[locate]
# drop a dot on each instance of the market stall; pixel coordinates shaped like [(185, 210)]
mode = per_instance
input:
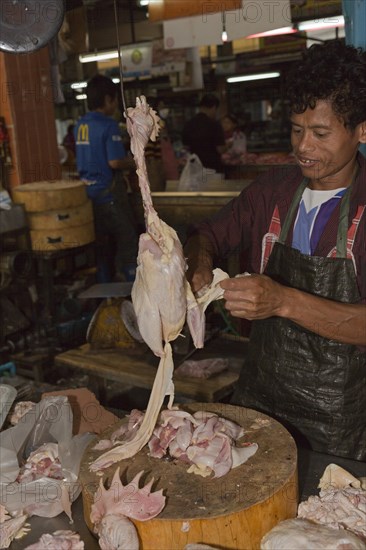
[(134, 414)]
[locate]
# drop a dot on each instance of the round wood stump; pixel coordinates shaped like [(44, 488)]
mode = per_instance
[(41, 196), (231, 512)]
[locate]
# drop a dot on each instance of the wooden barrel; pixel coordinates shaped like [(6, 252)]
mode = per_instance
[(41, 196), (231, 512)]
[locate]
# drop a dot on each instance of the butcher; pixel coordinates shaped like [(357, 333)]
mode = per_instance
[(300, 233)]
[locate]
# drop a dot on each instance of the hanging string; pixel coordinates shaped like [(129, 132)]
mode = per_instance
[(120, 59)]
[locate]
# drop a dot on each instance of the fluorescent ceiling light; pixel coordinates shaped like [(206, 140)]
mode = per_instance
[(273, 32), (144, 3), (78, 85), (81, 96), (102, 56), (247, 77), (325, 23), (311, 25)]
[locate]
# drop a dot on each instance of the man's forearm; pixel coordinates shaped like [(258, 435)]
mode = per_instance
[(199, 252), (334, 320)]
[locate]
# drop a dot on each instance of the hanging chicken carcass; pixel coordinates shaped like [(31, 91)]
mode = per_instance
[(161, 294)]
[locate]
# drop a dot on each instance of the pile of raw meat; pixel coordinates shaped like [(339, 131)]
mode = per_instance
[(43, 462), (207, 443), (334, 520), (40, 460)]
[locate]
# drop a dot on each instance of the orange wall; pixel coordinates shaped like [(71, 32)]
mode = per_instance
[(26, 102)]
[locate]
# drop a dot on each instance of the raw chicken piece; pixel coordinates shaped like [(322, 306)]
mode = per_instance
[(336, 477), (103, 445), (44, 461), (205, 368), (338, 509), (125, 432), (59, 540), (128, 430), (4, 514), (196, 306), (11, 529), (117, 533), (301, 534), (113, 507), (20, 410)]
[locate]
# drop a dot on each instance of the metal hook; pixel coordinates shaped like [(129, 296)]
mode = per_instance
[(120, 60)]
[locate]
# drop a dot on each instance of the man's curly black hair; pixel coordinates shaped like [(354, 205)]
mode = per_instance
[(332, 71)]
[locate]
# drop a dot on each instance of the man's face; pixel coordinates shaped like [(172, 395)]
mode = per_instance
[(324, 148)]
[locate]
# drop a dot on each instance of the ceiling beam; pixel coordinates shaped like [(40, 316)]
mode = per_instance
[(160, 10)]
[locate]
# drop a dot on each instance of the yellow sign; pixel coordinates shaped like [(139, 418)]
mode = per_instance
[(83, 133)]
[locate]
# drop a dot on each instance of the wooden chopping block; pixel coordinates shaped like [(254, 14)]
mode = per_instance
[(231, 512), (41, 196), (62, 218), (49, 240)]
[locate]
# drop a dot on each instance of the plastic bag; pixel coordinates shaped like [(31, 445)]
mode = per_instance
[(239, 145), (50, 421), (192, 174)]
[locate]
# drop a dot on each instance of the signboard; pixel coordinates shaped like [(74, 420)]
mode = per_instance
[(137, 60), (183, 65), (253, 17)]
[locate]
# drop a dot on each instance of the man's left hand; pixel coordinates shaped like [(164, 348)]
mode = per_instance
[(253, 297)]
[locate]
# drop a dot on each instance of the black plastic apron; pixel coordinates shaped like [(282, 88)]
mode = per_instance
[(312, 384)]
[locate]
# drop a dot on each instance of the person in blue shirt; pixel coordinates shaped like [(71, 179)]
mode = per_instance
[(100, 158)]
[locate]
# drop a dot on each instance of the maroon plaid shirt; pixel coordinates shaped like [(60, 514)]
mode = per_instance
[(242, 223)]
